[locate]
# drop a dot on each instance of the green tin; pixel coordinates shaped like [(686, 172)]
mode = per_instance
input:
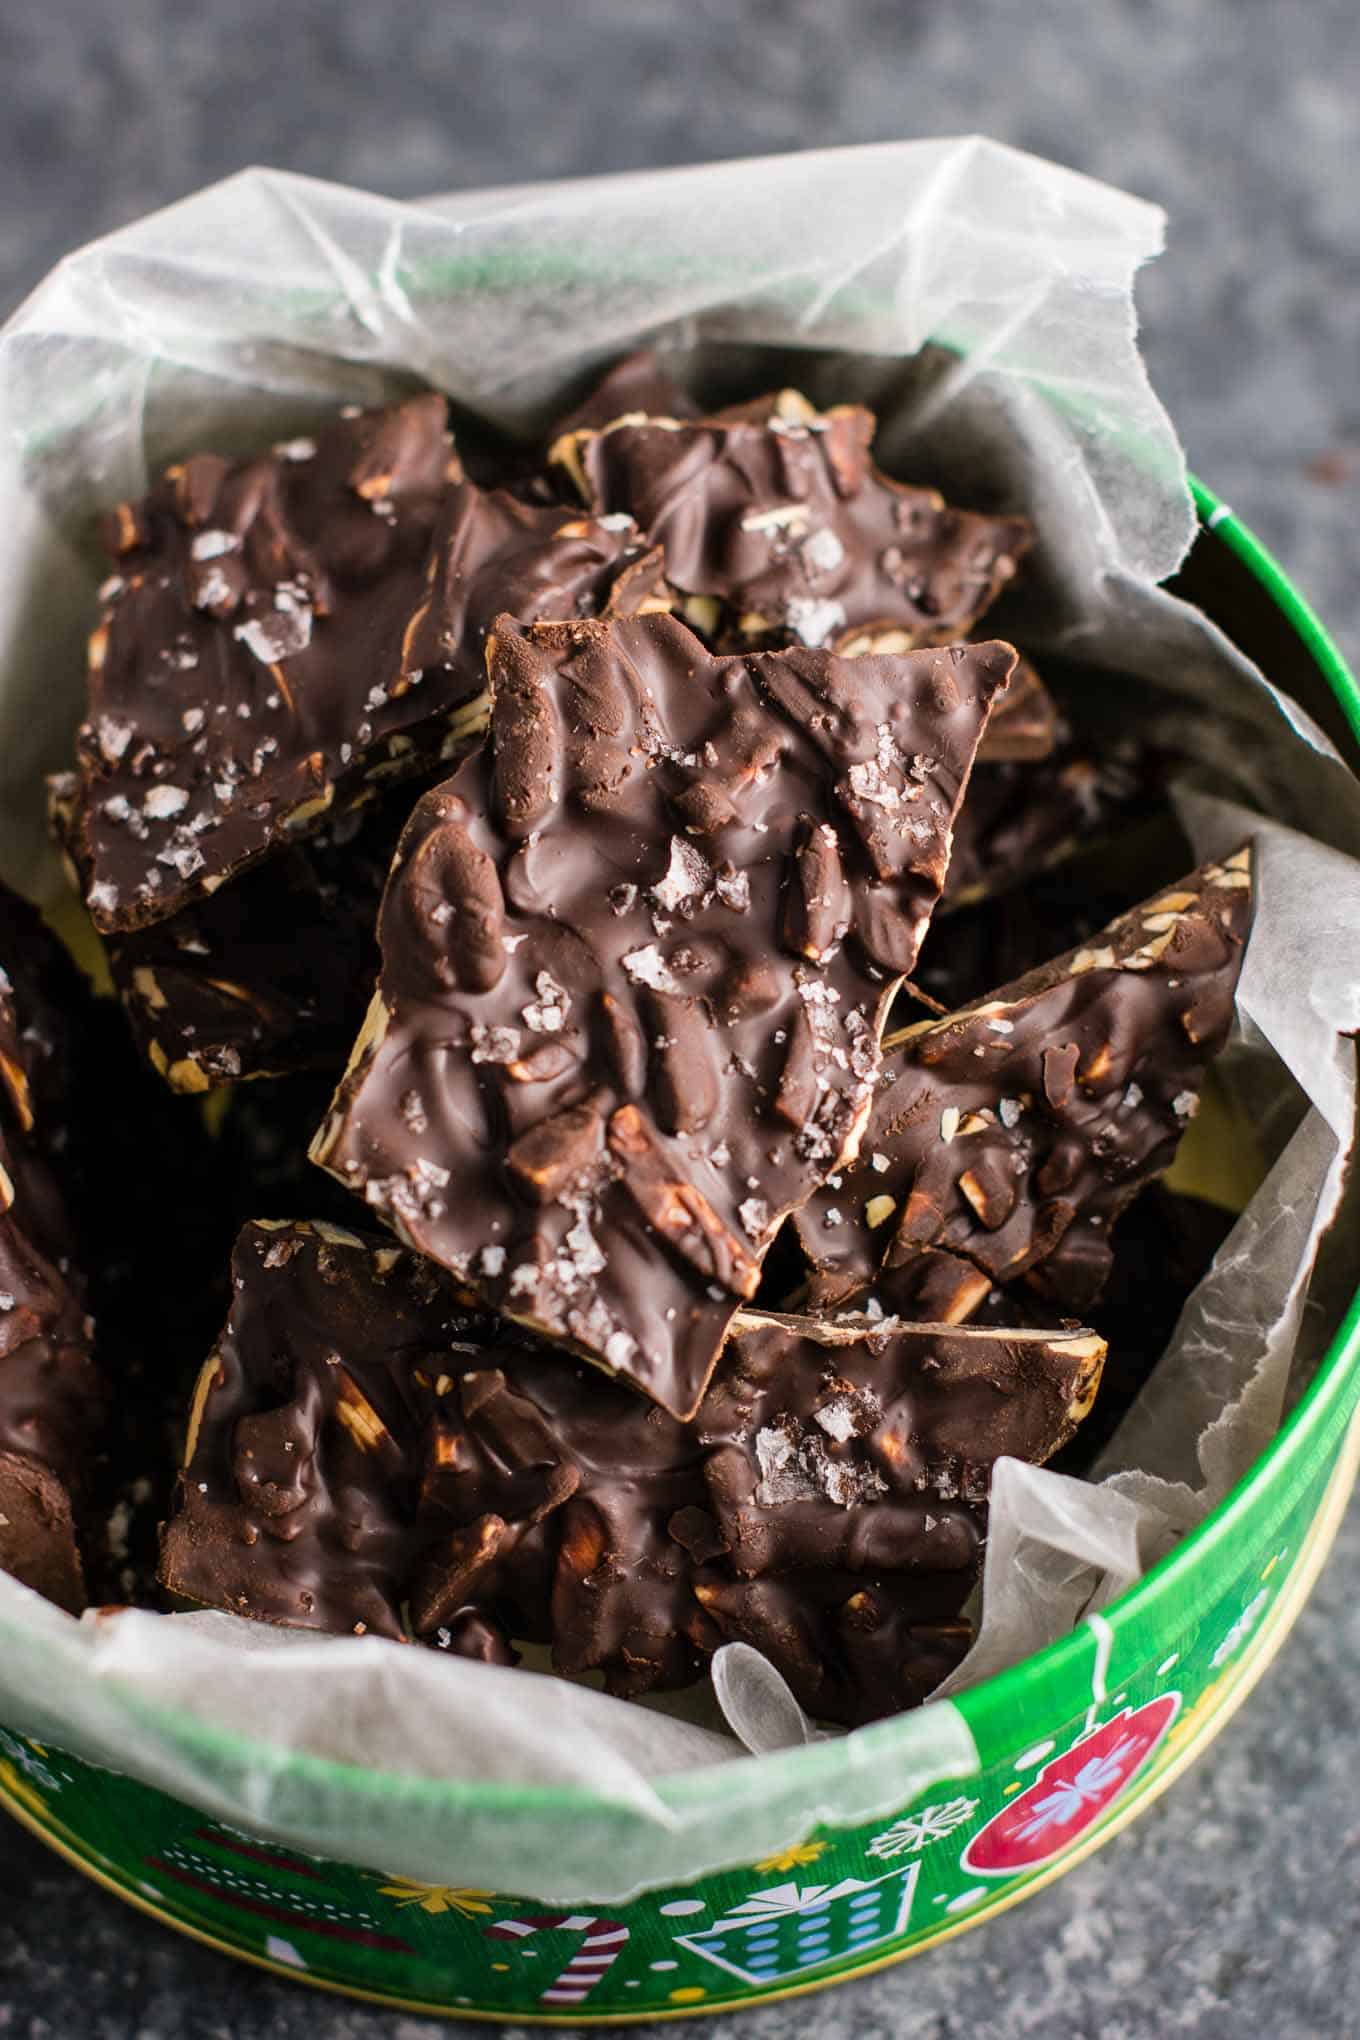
[(1071, 1744)]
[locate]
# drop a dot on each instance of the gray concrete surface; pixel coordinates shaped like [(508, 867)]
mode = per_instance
[(1233, 1907)]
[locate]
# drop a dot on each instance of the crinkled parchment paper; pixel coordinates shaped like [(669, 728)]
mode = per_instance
[(981, 301)]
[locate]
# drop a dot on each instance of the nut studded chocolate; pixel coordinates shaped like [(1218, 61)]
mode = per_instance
[(778, 528), (298, 1501), (637, 383), (848, 1470), (52, 1402), (364, 1455), (272, 973), (1007, 1139), (1024, 815), (283, 634), (52, 1405), (635, 960), (807, 1420)]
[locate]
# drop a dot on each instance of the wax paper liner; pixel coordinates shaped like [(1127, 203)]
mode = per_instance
[(982, 301)]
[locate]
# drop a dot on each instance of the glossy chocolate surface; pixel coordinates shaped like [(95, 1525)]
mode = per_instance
[(635, 959), (1006, 1139), (775, 520), (282, 634), (366, 1455)]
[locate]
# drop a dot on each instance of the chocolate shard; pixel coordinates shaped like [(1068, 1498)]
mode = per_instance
[(1008, 1138), (53, 1401), (297, 1503), (453, 1484), (596, 905), (776, 523), (637, 382), (1027, 725), (867, 1446), (446, 1481), (39, 1542), (283, 634), (271, 974), (1023, 817), (852, 1650)]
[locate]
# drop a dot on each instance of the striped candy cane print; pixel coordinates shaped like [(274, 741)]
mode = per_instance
[(601, 1945)]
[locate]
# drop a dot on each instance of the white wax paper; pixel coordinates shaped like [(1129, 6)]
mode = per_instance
[(982, 301)]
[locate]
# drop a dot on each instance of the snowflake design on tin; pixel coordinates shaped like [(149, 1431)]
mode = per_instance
[(1241, 1629), (21, 1755), (918, 1830), (1071, 1796)]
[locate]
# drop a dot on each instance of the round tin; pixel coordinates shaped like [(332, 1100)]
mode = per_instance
[(1072, 1744)]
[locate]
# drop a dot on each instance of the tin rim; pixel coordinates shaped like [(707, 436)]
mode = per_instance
[(1324, 1406)]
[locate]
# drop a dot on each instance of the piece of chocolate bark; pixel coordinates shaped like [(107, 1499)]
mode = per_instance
[(52, 1402), (282, 634), (271, 974), (636, 956), (367, 1456), (1024, 816), (807, 1419), (778, 528), (639, 384), (1006, 1139), (848, 1473), (1027, 726)]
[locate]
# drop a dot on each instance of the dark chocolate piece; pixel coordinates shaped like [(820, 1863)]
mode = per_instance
[(1027, 726), (854, 1649), (52, 1402), (284, 633), (635, 960), (366, 1455), (1022, 817), (1007, 1139), (52, 1405), (298, 1498), (637, 383), (860, 1445), (777, 527), (271, 974)]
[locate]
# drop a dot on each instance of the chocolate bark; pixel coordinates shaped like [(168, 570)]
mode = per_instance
[(52, 1402), (367, 1456), (638, 383), (282, 634), (1027, 726), (272, 974), (856, 1445), (778, 528), (1024, 816), (1007, 1139), (635, 960)]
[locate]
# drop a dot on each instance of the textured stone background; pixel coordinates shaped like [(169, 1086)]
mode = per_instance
[(1233, 1906)]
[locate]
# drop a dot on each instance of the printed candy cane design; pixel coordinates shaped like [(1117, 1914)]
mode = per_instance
[(600, 1948)]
